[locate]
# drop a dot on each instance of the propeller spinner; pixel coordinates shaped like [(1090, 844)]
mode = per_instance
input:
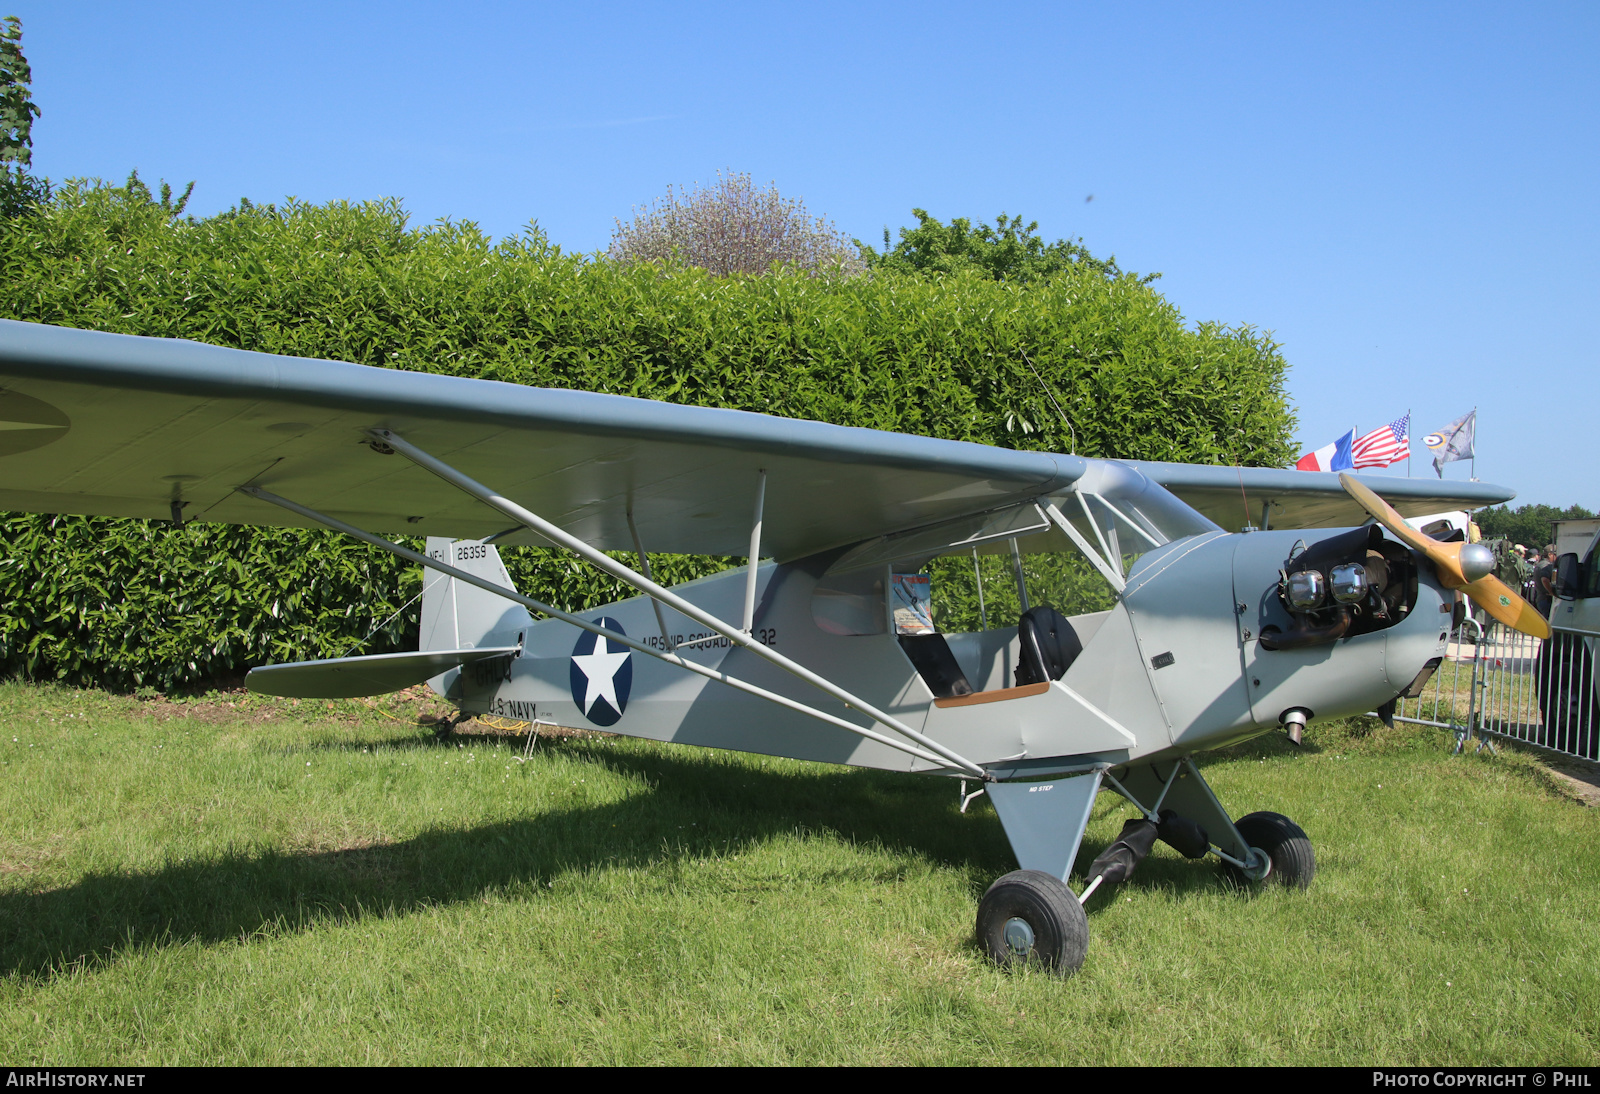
[(1465, 566)]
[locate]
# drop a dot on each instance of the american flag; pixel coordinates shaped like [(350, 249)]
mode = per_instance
[(1385, 445)]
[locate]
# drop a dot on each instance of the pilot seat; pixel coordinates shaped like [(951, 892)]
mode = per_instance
[(1049, 645)]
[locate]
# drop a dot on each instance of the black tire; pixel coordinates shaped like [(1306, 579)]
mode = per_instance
[(1287, 846), (1045, 922)]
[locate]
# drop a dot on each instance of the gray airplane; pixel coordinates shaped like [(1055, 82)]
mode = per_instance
[(1035, 625)]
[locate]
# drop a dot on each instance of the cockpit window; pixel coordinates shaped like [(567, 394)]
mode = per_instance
[(1074, 551), (973, 593), (980, 530)]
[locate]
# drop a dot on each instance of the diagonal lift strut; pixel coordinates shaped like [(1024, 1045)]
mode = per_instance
[(914, 743), (606, 563)]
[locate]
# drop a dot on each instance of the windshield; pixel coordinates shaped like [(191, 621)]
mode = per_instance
[(1072, 551), (977, 592), (1140, 503)]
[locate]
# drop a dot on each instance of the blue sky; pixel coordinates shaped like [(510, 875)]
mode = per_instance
[(1405, 195)]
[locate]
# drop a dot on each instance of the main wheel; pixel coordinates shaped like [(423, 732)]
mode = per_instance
[(1291, 862), (1029, 917)]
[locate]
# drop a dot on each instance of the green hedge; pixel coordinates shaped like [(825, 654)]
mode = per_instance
[(129, 603)]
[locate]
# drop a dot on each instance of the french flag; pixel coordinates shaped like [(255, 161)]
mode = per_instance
[(1330, 457)]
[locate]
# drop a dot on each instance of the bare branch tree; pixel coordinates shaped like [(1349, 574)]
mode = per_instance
[(734, 228)]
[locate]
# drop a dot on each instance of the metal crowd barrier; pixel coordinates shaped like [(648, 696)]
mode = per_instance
[(1498, 683)]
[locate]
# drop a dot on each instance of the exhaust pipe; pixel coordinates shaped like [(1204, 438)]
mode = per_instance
[(1293, 721)]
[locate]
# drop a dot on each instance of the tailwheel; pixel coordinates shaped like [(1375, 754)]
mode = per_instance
[(1290, 860), (1031, 918)]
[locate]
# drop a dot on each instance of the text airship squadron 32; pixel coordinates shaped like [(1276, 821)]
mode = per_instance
[(1140, 631)]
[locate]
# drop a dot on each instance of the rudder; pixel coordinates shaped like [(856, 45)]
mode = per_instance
[(456, 615)]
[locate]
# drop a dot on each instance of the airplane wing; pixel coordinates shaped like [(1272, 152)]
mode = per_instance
[(124, 426), (117, 425), (1236, 496)]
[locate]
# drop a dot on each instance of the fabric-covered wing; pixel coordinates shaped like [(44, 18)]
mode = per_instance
[(1235, 496), (118, 425)]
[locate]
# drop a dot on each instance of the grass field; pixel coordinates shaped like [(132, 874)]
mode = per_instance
[(240, 880)]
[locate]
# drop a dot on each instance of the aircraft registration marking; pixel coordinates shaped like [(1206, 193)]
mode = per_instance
[(767, 636), (465, 552), (493, 671), (522, 710)]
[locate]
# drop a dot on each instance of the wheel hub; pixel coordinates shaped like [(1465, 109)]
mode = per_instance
[(1019, 936), (1257, 864)]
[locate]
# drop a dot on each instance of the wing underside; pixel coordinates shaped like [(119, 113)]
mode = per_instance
[(1269, 497), (117, 425)]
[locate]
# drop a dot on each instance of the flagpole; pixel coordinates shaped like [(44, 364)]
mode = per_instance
[(1474, 443), (1408, 442)]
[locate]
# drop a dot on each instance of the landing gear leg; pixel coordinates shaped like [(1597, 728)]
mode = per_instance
[(1030, 916), (1258, 848)]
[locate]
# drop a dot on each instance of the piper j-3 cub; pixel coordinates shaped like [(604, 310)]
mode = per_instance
[(1040, 626)]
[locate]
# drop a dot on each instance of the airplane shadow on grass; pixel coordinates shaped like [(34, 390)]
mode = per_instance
[(693, 810)]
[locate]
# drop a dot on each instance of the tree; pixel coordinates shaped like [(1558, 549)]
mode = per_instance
[(16, 100), (1528, 525), (734, 228), (941, 357), (20, 192), (1009, 251), (138, 194)]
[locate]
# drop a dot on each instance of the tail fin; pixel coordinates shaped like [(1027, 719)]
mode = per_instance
[(458, 616)]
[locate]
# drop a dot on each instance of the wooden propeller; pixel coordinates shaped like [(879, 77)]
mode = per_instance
[(1455, 572)]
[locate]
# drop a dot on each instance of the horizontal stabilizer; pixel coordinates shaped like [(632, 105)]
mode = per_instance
[(348, 677)]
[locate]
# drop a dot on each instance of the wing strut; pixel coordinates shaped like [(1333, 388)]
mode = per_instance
[(1105, 568), (644, 564), (644, 585), (755, 556), (938, 754)]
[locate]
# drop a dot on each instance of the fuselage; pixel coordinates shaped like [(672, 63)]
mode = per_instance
[(1176, 665)]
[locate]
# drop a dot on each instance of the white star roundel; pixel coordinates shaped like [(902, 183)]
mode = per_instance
[(602, 675)]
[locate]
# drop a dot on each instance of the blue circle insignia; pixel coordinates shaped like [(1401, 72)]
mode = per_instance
[(602, 675)]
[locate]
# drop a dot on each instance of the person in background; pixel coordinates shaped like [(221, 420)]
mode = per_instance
[(1544, 581), (1529, 593), (1511, 567), (1515, 571)]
